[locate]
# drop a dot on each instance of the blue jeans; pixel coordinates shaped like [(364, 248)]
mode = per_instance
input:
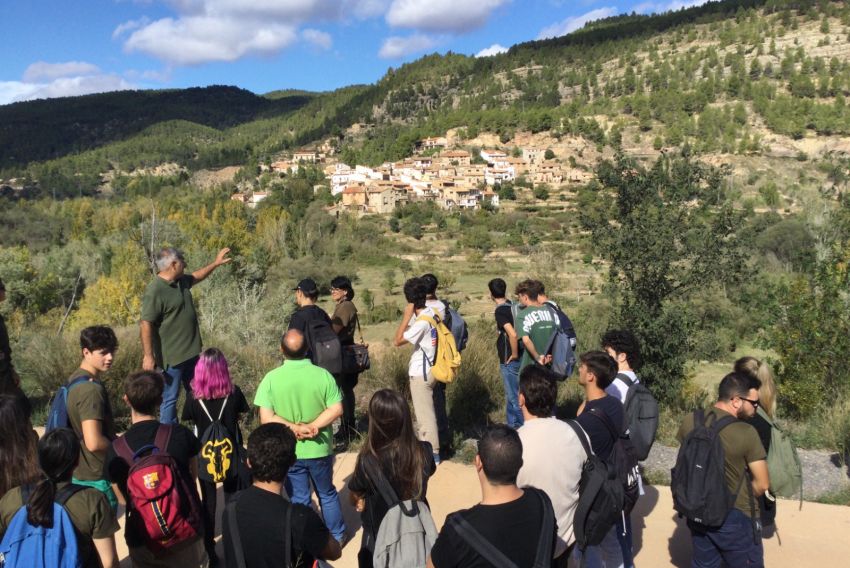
[(320, 471), (510, 377), (182, 373), (733, 543)]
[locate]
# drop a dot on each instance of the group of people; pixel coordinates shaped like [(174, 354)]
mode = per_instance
[(530, 469)]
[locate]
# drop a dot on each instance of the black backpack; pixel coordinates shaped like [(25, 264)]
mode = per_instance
[(641, 411), (698, 480), (485, 549), (325, 347), (601, 496), (218, 459)]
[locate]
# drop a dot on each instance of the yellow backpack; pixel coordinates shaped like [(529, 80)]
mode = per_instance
[(447, 361)]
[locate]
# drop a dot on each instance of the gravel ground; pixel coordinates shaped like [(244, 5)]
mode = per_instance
[(823, 472)]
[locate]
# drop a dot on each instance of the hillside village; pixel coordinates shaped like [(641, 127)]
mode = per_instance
[(451, 177)]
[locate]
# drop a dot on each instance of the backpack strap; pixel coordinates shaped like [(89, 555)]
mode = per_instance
[(233, 529), (67, 492), (601, 415), (582, 436), (433, 322), (163, 437), (543, 558), (479, 544), (625, 379), (220, 412), (379, 480), (123, 449)]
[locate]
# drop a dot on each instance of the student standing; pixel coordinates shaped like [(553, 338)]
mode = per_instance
[(508, 349), (143, 394), (509, 519), (214, 395), (596, 415), (255, 522), (392, 449), (423, 336), (535, 324), (737, 542), (89, 510), (89, 409), (552, 454), (18, 459)]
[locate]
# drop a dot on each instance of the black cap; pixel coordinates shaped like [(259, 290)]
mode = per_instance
[(308, 286)]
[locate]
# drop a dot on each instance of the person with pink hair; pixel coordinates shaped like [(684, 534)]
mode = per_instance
[(214, 397)]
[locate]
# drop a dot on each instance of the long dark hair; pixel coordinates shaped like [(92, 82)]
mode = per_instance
[(18, 463), (58, 454), (392, 442)]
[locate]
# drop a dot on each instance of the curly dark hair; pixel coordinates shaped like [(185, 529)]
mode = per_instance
[(537, 386), (271, 452), (624, 341), (416, 292)]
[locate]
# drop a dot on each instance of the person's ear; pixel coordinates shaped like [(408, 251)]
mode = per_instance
[(126, 400), (477, 462), (521, 400)]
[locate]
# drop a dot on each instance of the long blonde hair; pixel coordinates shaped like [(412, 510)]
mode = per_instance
[(760, 370)]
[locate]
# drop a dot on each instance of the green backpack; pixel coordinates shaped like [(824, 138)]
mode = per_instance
[(783, 463)]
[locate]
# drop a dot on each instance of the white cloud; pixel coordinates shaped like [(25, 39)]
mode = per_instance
[(194, 40), (318, 38), (572, 24), (494, 49), (661, 7), (203, 31), (396, 46), (41, 70), (441, 15), (15, 91)]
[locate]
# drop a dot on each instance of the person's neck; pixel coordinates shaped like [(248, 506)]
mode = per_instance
[(725, 407), (136, 417), (624, 368), (306, 304), (89, 368), (500, 301), (431, 297), (592, 392), (167, 276), (271, 486), (535, 303), (499, 494)]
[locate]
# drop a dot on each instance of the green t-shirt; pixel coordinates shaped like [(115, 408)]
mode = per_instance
[(89, 401), (537, 323), (169, 307), (742, 446), (299, 391), (90, 514)]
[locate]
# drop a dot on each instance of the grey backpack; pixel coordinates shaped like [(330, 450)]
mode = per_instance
[(641, 410), (407, 532)]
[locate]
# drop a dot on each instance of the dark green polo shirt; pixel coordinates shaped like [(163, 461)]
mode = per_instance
[(169, 307)]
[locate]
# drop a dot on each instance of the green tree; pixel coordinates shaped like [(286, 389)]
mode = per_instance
[(661, 248), (541, 192)]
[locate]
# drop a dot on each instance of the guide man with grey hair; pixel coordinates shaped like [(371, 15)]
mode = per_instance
[(171, 338)]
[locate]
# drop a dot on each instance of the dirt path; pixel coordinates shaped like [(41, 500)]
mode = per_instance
[(813, 536)]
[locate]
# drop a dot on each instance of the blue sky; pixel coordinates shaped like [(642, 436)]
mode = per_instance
[(59, 47)]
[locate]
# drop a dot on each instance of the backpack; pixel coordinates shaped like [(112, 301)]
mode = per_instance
[(447, 359), (28, 546), (565, 322), (219, 456), (783, 463), (601, 497), (641, 411), (57, 416), (455, 322), (229, 520), (514, 306), (324, 344), (560, 348), (407, 532), (166, 506), (485, 549), (698, 480)]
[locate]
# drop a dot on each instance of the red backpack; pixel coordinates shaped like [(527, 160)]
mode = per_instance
[(166, 507)]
